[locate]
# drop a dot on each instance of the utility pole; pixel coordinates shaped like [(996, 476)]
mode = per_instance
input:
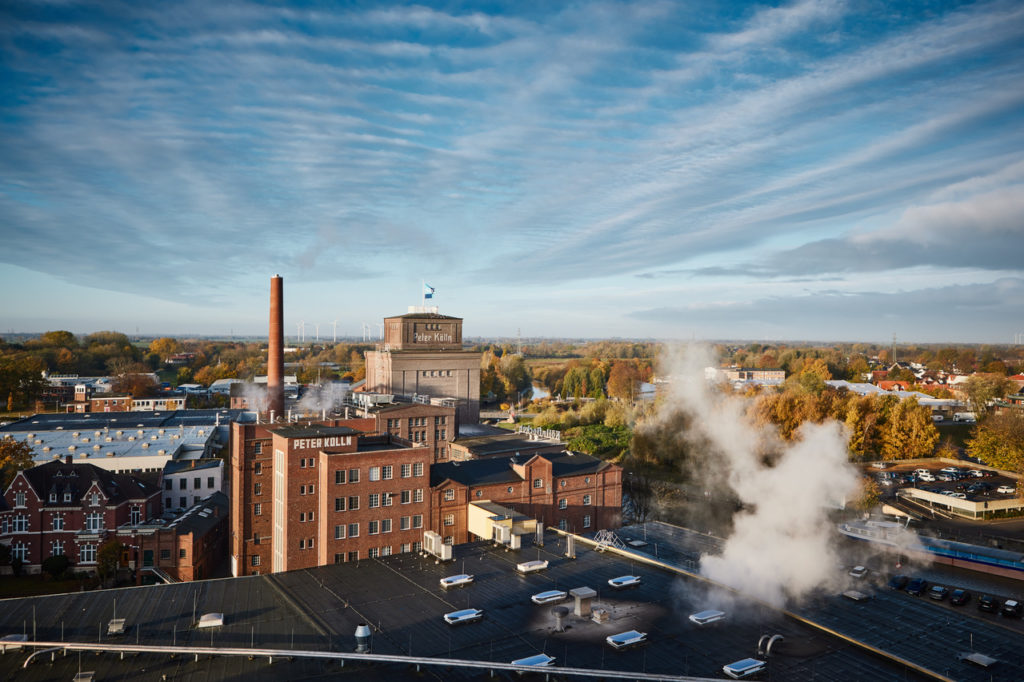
[(894, 349)]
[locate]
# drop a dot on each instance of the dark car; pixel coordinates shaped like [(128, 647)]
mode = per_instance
[(987, 602), (917, 586), (959, 597), (1011, 608), (980, 488), (938, 592), (898, 582)]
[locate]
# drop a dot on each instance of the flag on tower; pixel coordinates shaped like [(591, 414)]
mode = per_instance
[(428, 291)]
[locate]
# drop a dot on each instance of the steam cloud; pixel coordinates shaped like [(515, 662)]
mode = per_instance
[(781, 546), (326, 397)]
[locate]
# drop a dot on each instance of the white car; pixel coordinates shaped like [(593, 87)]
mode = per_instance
[(707, 617), (549, 597), (456, 580), (1007, 489), (624, 581), (624, 640), (926, 477), (463, 616)]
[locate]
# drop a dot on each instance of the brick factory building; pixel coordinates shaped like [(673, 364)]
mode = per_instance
[(422, 354), (569, 490)]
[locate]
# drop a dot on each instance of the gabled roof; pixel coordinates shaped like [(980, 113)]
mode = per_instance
[(77, 479), (476, 472)]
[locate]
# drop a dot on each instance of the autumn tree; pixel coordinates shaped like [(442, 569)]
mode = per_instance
[(909, 432), (15, 455), (108, 558), (869, 496), (999, 441), (165, 347), (982, 388), (623, 381)]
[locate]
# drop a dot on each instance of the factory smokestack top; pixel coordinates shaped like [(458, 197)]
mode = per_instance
[(275, 351)]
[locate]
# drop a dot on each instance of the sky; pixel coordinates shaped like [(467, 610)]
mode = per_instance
[(809, 170)]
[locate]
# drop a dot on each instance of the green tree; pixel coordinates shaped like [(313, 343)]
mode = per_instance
[(108, 558), (909, 432), (15, 455), (999, 441), (56, 565), (983, 388)]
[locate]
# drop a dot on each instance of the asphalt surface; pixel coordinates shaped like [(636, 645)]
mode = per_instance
[(401, 598)]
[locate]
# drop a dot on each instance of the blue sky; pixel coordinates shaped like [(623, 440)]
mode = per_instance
[(673, 170)]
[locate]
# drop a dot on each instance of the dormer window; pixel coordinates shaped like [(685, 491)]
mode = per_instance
[(94, 500), (53, 497), (19, 499), (67, 497)]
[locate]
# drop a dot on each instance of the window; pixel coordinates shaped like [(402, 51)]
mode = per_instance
[(181, 553), (302, 490), (353, 475), (353, 556), (405, 471), (257, 509), (386, 472), (388, 498), (339, 558), (374, 501), (95, 500), (449, 494), (19, 499), (586, 499), (353, 530), (538, 483), (417, 495), (353, 502), (20, 551), (374, 553), (406, 547), (67, 496), (339, 504), (87, 554), (406, 496), (374, 473), (339, 531), (563, 524), (302, 517), (257, 448), (167, 484), (134, 516), (449, 519), (417, 469), (197, 483), (449, 540), (385, 551), (373, 528), (385, 525), (309, 543), (302, 463), (165, 554), (209, 481), (182, 502), (403, 523), (508, 489), (311, 516), (56, 548), (255, 538), (302, 544), (339, 477), (311, 489), (257, 489), (586, 521), (562, 483), (93, 521), (255, 559), (182, 484), (417, 521), (58, 523), (587, 479), (563, 503)]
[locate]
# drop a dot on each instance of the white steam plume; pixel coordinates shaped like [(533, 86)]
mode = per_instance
[(782, 542), (326, 397)]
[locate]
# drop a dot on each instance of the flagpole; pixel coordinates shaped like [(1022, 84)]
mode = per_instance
[(423, 294)]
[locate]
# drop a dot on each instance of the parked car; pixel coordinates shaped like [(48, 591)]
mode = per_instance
[(1011, 608), (938, 592), (926, 477), (976, 473), (917, 586), (898, 582), (959, 496), (959, 597), (987, 602), (945, 477), (1006, 489), (463, 616)]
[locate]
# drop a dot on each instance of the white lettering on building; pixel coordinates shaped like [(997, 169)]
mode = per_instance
[(317, 443), (436, 337)]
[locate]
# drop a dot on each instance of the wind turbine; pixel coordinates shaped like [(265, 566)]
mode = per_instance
[(317, 326), (335, 323), (381, 326)]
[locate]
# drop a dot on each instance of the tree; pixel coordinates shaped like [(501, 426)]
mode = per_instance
[(909, 432), (982, 388), (870, 494), (999, 441), (165, 347), (623, 381), (56, 565), (108, 558), (59, 339), (15, 455)]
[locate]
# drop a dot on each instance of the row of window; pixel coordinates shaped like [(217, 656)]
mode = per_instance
[(374, 552), (197, 483), (437, 373), (86, 553), (563, 503), (19, 498), (344, 531), (375, 500)]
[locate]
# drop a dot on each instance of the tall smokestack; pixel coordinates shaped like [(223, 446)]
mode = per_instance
[(275, 352)]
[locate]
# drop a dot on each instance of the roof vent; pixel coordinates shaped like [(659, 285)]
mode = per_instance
[(38, 441), (110, 454), (72, 448), (96, 447), (98, 433), (120, 433), (161, 432), (109, 439), (74, 434), (31, 435), (131, 437), (145, 445), (161, 452), (85, 439), (46, 448)]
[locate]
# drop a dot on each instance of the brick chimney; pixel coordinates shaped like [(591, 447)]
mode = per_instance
[(275, 351)]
